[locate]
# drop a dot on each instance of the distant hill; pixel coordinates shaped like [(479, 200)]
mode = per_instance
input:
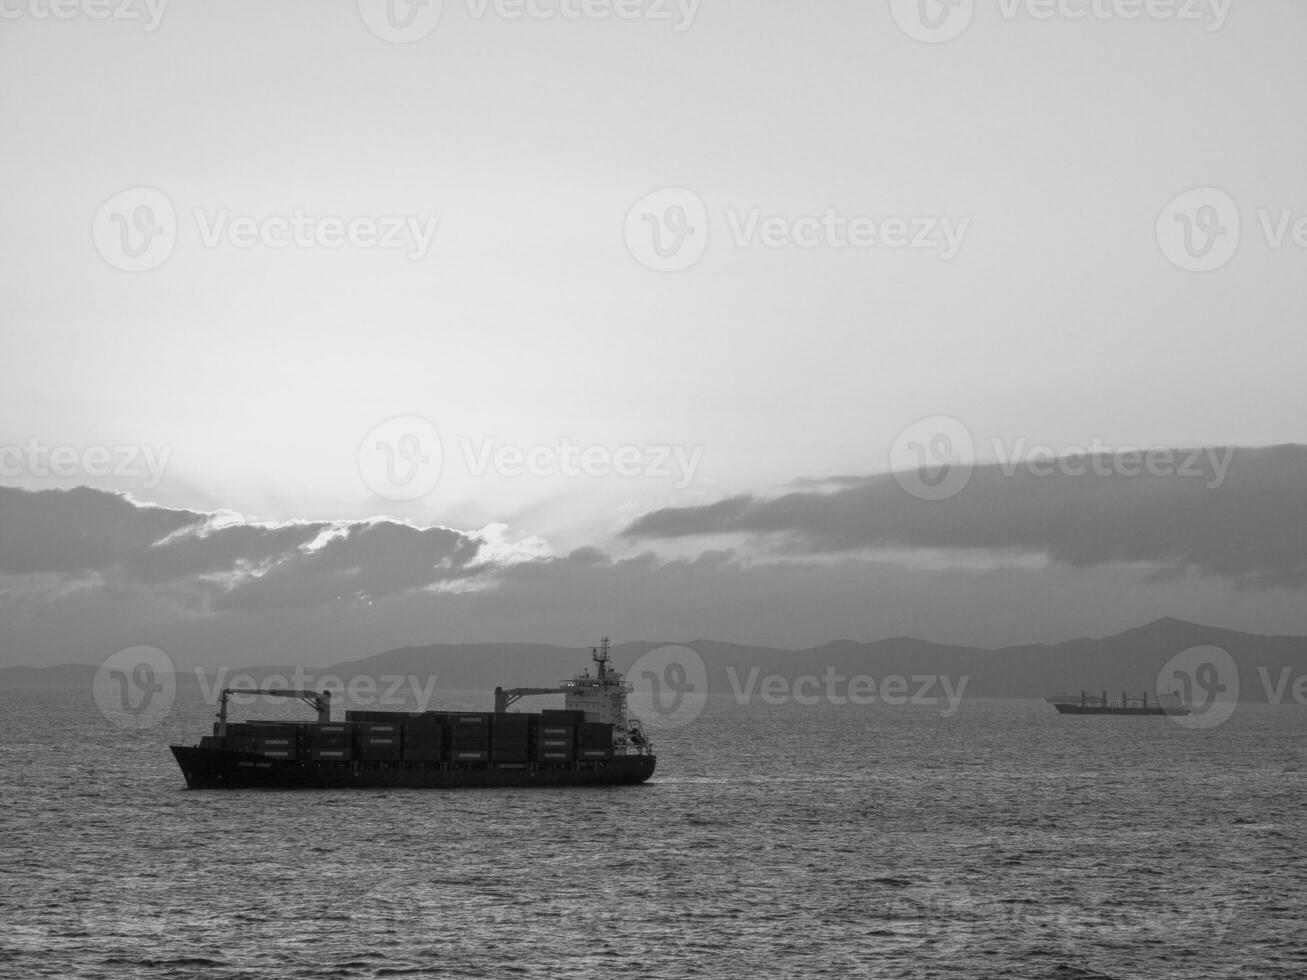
[(1130, 660), (63, 675)]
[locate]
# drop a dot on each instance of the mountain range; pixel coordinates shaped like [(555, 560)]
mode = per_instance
[(1268, 666)]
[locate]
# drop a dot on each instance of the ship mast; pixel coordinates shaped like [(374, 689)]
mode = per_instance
[(600, 656)]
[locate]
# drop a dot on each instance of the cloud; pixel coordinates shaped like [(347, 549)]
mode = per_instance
[(80, 530), (362, 561), (1248, 524), (229, 564)]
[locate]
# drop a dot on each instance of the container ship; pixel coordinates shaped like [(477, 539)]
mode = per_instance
[(592, 741), (1098, 704)]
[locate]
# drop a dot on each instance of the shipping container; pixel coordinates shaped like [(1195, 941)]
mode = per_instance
[(263, 729), (557, 731), (594, 753), (558, 744), (423, 753), (555, 756), (424, 738), (378, 742), (279, 753), (468, 732), (474, 744), (378, 728), (423, 723), (328, 755), (329, 741), (279, 742), (559, 716), (466, 755), (374, 717)]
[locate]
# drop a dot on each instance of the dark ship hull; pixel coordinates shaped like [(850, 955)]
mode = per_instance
[(209, 768), (1094, 709)]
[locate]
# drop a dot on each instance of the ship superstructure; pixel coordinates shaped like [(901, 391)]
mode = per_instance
[(600, 697)]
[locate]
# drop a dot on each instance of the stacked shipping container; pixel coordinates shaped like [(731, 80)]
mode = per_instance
[(513, 739)]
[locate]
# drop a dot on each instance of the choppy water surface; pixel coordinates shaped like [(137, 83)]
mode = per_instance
[(1006, 841)]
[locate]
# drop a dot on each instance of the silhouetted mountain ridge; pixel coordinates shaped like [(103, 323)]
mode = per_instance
[(1131, 660)]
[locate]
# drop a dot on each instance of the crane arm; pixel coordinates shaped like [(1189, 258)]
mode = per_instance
[(503, 698), (321, 703)]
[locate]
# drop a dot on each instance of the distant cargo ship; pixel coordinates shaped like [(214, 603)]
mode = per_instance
[(591, 741), (1098, 704)]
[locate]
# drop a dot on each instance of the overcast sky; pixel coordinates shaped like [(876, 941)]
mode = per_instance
[(671, 288)]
